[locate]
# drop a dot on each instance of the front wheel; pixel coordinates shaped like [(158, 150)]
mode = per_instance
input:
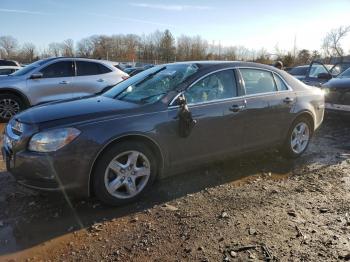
[(124, 173), (10, 105), (298, 138)]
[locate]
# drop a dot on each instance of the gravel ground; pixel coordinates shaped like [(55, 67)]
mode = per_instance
[(259, 207)]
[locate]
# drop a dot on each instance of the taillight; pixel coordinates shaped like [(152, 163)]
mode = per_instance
[(125, 77)]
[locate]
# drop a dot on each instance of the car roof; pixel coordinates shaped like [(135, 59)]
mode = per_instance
[(223, 64), (80, 59)]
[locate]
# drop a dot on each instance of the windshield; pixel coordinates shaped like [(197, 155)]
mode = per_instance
[(339, 69), (345, 74), (30, 67), (151, 85)]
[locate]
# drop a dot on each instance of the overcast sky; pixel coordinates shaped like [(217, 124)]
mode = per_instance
[(255, 24)]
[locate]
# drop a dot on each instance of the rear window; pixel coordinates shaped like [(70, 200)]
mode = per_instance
[(85, 68), (8, 63)]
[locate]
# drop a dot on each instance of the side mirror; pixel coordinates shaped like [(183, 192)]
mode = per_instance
[(186, 122), (181, 101), (324, 76), (36, 76)]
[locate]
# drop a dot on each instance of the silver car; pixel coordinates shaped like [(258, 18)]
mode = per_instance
[(7, 70), (54, 79)]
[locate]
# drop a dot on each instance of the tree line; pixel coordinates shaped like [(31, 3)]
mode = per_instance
[(162, 47)]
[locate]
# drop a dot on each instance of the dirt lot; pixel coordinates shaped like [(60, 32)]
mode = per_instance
[(252, 208)]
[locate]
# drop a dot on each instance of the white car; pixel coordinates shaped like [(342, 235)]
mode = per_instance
[(8, 70), (55, 79)]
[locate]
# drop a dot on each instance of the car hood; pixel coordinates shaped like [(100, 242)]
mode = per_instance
[(7, 80), (338, 83), (76, 110)]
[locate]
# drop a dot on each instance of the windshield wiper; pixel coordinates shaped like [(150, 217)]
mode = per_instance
[(148, 97)]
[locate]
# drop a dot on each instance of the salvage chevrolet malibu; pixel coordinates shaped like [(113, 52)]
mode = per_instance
[(157, 123)]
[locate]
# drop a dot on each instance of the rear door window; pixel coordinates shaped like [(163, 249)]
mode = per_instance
[(85, 68), (257, 81), (58, 69)]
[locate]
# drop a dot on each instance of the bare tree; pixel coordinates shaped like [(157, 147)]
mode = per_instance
[(27, 53), (332, 42), (55, 49), (85, 47), (9, 45), (304, 56), (192, 48), (68, 47), (167, 47)]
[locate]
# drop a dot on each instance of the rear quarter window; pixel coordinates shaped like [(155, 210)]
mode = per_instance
[(85, 68), (281, 86)]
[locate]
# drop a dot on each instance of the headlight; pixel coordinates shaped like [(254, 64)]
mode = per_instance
[(52, 140), (325, 90)]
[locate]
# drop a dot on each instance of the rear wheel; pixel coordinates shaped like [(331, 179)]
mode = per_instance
[(124, 173), (10, 105), (298, 138)]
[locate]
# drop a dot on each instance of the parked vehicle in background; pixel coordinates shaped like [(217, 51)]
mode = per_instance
[(160, 121), (318, 73), (54, 79), (305, 72), (115, 64), (7, 70), (4, 62), (135, 70), (337, 92), (299, 72), (129, 70)]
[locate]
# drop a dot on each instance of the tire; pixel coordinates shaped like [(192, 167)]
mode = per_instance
[(291, 149), (10, 105), (126, 178)]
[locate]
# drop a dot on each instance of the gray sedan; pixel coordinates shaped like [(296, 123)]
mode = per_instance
[(160, 122)]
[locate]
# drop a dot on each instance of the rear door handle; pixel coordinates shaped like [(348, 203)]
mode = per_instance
[(64, 82), (237, 108), (288, 100), (100, 80)]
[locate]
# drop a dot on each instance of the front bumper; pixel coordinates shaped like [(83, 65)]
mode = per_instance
[(66, 170), (338, 109)]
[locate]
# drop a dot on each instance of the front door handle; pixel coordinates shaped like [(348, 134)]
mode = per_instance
[(64, 82), (237, 108), (100, 80), (288, 100)]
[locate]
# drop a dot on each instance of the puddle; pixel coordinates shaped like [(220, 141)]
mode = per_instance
[(7, 240)]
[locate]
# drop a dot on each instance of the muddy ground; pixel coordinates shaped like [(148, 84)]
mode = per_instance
[(257, 207)]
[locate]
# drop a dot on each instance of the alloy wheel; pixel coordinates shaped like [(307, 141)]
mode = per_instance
[(300, 137), (127, 174), (8, 108)]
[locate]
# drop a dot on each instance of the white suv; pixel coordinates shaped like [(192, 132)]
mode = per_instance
[(55, 79)]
